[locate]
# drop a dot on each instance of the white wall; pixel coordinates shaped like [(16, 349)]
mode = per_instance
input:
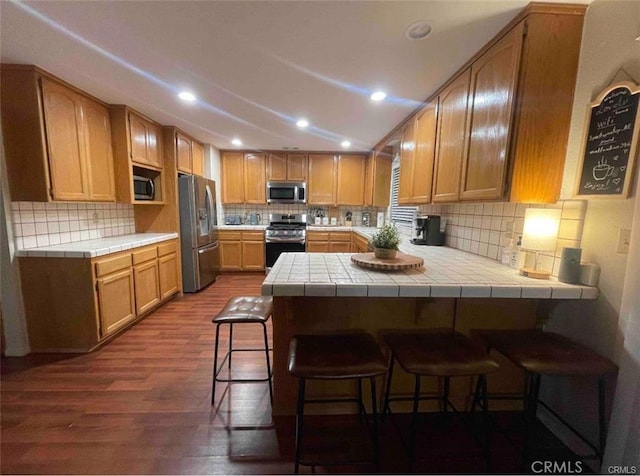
[(212, 171), (608, 44)]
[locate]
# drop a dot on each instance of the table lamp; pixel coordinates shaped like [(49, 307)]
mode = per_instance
[(539, 234)]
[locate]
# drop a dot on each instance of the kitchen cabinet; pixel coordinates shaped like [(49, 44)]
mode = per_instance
[(451, 139), (138, 150), (243, 178), (144, 141), (241, 250), (197, 158), (328, 242), (322, 179), (350, 180), (378, 178), (417, 157), (494, 77), (75, 304), (146, 279), (57, 139), (359, 244), (183, 147), (286, 167)]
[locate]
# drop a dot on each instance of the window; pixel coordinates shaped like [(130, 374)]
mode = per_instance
[(401, 216)]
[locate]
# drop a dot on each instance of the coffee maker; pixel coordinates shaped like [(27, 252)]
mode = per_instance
[(428, 231)]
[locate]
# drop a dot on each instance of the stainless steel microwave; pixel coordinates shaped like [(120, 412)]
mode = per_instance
[(286, 192), (143, 188)]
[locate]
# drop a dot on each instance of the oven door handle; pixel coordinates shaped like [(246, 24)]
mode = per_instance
[(275, 240)]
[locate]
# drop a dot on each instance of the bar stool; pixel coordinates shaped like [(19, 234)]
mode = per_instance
[(545, 353), (335, 357), (439, 353), (242, 310)]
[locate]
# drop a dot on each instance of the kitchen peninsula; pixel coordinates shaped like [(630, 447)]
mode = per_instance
[(325, 292)]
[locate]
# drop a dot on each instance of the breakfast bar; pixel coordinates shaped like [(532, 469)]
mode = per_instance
[(325, 292)]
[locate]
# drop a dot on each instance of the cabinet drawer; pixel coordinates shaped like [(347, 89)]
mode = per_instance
[(252, 236), (318, 236), (166, 248), (230, 235), (144, 254), (360, 241), (340, 236), (110, 265)]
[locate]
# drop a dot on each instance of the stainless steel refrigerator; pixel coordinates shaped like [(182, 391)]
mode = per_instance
[(198, 232)]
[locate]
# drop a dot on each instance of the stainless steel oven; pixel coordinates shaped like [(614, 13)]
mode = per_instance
[(285, 234)]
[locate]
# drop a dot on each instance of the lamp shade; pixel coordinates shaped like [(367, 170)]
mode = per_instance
[(540, 229)]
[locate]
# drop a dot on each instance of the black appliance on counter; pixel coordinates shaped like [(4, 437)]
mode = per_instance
[(428, 230), (286, 233)]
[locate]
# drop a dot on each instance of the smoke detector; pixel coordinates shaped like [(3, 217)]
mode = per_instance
[(418, 30)]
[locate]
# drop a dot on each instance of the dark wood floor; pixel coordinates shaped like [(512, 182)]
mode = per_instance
[(141, 405)]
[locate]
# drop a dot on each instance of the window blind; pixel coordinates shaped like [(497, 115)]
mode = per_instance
[(401, 216)]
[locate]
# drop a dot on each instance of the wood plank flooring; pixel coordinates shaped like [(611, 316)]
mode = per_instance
[(141, 405)]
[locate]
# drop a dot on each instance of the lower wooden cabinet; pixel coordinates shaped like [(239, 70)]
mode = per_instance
[(329, 242), (317, 246), (74, 304), (241, 250), (359, 244)]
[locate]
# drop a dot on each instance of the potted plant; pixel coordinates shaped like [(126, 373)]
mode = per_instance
[(385, 242)]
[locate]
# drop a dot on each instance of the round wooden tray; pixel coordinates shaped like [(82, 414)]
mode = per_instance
[(400, 262)]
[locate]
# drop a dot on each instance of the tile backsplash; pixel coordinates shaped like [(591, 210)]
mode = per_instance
[(265, 210), (43, 224), (485, 228)]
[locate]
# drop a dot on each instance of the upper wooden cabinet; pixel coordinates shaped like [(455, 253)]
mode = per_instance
[(197, 158), (494, 77), (144, 141), (451, 139), (138, 151), (378, 178), (350, 180), (57, 139), (322, 179), (286, 167), (183, 147), (243, 178), (417, 152)]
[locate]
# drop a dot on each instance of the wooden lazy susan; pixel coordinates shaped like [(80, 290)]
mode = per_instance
[(400, 262)]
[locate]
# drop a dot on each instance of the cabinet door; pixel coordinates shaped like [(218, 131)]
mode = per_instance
[(407, 154), (297, 167), (138, 136), (232, 172), (65, 142), (115, 301), (198, 158), (494, 77), (317, 246), (377, 189), (183, 146), (255, 178), (451, 139), (340, 247), (146, 285), (231, 255), (168, 273), (322, 179), (425, 140), (98, 150), (154, 150), (277, 167), (350, 186), (253, 255)]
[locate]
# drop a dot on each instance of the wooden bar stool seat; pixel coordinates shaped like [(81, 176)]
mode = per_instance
[(335, 357), (242, 310), (437, 353), (546, 353)]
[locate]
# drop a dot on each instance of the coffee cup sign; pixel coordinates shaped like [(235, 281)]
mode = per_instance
[(610, 143)]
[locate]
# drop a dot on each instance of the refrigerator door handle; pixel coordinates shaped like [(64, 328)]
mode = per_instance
[(206, 249), (210, 210)]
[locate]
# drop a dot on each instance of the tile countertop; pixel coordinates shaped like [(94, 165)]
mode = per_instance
[(97, 247), (447, 272), (242, 227)]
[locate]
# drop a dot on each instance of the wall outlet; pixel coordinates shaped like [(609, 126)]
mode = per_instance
[(624, 239), (94, 217), (508, 226)]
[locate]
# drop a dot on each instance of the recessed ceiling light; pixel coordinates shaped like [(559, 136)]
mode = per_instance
[(236, 142), (345, 144), (302, 123), (418, 30), (187, 96), (378, 96)]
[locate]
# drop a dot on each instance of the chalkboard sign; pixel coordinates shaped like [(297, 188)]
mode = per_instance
[(610, 143)]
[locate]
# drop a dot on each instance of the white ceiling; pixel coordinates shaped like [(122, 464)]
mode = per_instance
[(256, 66)]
